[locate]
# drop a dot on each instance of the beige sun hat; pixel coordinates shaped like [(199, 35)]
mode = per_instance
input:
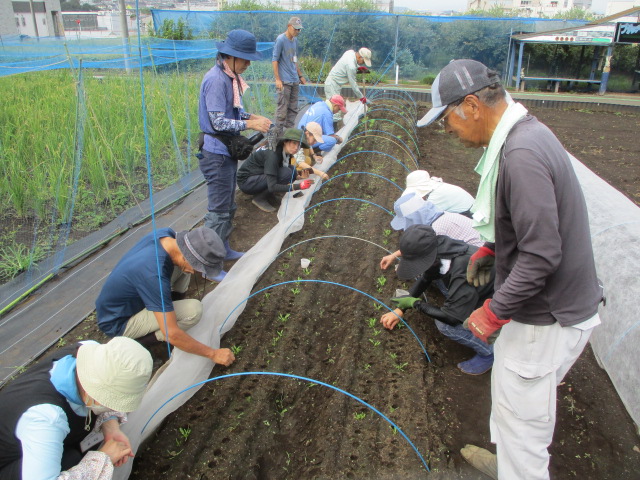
[(115, 373), (316, 130), (365, 53), (420, 182)]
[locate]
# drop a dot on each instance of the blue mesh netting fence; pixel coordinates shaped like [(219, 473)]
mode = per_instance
[(72, 146)]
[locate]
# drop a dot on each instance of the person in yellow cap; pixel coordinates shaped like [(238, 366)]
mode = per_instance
[(70, 403)]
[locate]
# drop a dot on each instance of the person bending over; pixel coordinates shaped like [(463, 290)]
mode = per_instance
[(134, 303)]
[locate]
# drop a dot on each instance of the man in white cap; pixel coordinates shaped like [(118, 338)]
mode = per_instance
[(445, 196), (49, 412), (344, 71), (135, 303), (322, 113), (286, 70), (531, 211)]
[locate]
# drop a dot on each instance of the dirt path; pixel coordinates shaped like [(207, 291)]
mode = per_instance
[(258, 427)]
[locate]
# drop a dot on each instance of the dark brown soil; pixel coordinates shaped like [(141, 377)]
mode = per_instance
[(266, 427)]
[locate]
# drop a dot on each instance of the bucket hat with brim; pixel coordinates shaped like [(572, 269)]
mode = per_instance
[(294, 134), (116, 373), (203, 249), (240, 44)]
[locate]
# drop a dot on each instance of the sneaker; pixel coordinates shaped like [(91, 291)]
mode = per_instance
[(482, 459), (477, 365)]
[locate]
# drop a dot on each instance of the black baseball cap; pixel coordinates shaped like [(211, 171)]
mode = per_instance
[(419, 248)]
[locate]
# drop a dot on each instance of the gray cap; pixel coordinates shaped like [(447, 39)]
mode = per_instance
[(203, 249), (455, 81), (295, 22), (419, 248)]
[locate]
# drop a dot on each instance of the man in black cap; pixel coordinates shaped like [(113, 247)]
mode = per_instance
[(135, 301), (428, 257), (221, 116), (531, 212)]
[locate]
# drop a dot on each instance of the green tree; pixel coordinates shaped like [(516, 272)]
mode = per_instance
[(179, 30), (576, 13)]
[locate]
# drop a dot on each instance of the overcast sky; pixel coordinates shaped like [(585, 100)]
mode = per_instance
[(435, 6)]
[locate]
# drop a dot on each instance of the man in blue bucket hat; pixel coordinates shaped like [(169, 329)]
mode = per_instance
[(222, 117)]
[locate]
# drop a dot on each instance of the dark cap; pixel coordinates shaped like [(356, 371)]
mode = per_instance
[(203, 249), (455, 81), (419, 248), (296, 135)]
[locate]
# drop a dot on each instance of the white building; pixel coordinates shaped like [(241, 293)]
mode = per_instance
[(531, 8), (44, 21), (618, 6), (101, 24)]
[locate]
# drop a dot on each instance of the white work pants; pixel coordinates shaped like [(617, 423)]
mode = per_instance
[(529, 362)]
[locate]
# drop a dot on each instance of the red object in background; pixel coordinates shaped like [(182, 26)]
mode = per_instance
[(78, 21)]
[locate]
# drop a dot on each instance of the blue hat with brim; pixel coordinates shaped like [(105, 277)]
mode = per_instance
[(240, 44)]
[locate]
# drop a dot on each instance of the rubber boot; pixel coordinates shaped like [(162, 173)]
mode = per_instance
[(482, 459), (231, 254), (477, 365), (219, 277), (261, 201)]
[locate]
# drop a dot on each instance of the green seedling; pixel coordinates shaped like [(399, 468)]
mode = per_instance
[(346, 184), (61, 342), (285, 266), (307, 270), (376, 332), (393, 429), (386, 232), (184, 433), (381, 281), (401, 366), (236, 349), (284, 318), (314, 249), (267, 295), (327, 223), (281, 273), (367, 366), (359, 415), (372, 322), (295, 291), (393, 355), (290, 253), (374, 342), (378, 306)]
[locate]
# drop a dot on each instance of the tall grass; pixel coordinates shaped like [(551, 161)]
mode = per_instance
[(37, 144)]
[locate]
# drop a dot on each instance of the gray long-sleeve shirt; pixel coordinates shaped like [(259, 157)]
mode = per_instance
[(545, 271)]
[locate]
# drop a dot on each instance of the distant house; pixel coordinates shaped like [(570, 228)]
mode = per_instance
[(43, 21), (531, 8)]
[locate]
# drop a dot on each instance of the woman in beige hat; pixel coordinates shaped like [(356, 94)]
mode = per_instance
[(66, 405)]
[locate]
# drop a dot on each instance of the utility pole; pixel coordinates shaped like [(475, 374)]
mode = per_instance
[(125, 34), (33, 17)]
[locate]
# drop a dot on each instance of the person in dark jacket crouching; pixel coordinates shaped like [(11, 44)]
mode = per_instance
[(67, 405), (431, 257), (266, 171)]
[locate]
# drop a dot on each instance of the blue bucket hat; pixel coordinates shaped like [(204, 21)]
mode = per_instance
[(411, 209), (241, 44)]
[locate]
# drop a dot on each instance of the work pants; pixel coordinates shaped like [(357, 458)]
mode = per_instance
[(464, 337), (220, 173), (188, 312), (332, 88), (287, 108), (530, 361), (256, 184)]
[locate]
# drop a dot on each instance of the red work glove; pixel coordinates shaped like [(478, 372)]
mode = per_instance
[(483, 322), (363, 70), (305, 184), (480, 266), (363, 100)]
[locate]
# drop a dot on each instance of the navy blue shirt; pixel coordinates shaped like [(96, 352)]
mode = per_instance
[(133, 285)]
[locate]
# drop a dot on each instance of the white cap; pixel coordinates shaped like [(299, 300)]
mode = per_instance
[(365, 53)]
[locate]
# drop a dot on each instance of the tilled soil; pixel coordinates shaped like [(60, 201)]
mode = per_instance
[(267, 427)]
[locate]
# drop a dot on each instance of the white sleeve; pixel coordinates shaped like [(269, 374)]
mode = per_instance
[(42, 430)]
